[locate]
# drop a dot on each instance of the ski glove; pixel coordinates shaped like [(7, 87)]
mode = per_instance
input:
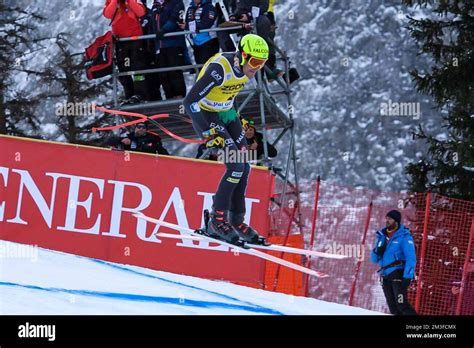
[(381, 244)]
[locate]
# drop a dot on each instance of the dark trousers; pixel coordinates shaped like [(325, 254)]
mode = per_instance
[(172, 81), (230, 194), (131, 55), (396, 294), (204, 52), (153, 82)]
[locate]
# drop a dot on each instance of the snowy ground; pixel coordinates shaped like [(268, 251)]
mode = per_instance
[(40, 281)]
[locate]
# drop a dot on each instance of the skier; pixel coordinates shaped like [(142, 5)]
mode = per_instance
[(209, 103)]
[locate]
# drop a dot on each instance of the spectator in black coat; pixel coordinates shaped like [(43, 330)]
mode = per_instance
[(265, 28), (167, 15), (139, 141), (255, 142)]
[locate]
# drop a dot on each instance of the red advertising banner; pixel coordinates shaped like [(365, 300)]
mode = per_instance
[(80, 200)]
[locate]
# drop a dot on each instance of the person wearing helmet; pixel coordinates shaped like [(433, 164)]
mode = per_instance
[(210, 104)]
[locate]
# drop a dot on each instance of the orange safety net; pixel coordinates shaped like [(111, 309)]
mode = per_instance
[(442, 228)]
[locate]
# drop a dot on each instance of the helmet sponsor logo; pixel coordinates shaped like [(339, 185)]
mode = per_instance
[(258, 50)]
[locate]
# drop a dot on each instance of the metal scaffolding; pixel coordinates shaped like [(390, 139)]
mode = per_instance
[(269, 106)]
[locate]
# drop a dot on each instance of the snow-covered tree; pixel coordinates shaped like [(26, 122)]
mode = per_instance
[(18, 40), (447, 37)]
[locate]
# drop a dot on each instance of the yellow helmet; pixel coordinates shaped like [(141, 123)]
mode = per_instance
[(253, 50)]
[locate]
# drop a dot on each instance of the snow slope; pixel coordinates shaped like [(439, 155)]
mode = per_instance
[(49, 282)]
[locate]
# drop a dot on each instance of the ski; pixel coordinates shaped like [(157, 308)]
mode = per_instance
[(271, 247), (242, 249)]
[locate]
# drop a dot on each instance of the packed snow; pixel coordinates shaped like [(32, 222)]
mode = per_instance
[(36, 281)]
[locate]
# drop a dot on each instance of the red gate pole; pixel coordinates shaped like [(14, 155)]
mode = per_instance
[(423, 251), (313, 230), (464, 271), (362, 248)]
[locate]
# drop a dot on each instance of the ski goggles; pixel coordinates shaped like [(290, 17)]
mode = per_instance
[(256, 63)]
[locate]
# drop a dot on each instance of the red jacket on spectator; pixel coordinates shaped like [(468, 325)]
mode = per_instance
[(125, 21)]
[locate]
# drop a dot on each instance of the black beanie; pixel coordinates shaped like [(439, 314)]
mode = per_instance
[(396, 215)]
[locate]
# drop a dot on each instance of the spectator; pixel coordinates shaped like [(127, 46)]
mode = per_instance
[(272, 59), (395, 252), (229, 7), (255, 143), (153, 81), (293, 73), (271, 16), (468, 295), (168, 14), (243, 13), (139, 141), (203, 14), (130, 55)]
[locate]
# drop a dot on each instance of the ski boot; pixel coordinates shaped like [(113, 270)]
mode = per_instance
[(217, 226), (246, 233)]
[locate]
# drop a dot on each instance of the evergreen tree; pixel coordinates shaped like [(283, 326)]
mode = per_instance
[(18, 40), (447, 36), (65, 77)]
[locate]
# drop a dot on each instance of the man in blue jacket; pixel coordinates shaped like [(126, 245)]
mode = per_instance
[(395, 253)]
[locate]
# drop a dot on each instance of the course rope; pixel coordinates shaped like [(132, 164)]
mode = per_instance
[(142, 118)]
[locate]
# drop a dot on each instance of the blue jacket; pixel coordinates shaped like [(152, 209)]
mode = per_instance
[(399, 247), (167, 16), (205, 16)]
